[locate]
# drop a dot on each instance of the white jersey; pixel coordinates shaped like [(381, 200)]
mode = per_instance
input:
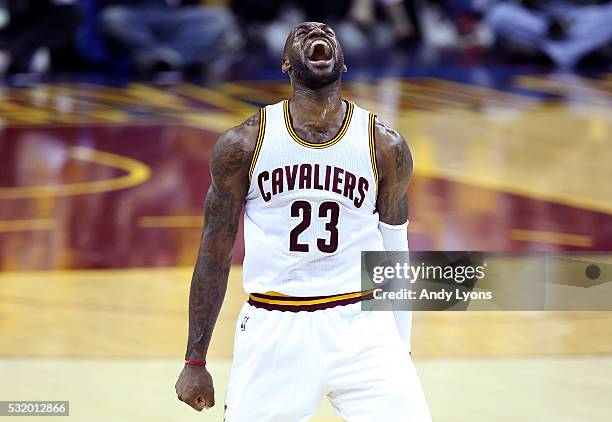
[(310, 208)]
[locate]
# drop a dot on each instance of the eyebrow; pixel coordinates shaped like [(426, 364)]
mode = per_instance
[(308, 26)]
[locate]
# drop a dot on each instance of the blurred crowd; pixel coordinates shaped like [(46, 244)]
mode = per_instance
[(154, 36)]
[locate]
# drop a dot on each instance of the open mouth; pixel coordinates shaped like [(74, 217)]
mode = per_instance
[(319, 51)]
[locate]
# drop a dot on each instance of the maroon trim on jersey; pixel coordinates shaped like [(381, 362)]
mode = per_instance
[(304, 308)]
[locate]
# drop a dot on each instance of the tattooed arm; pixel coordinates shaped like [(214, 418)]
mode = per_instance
[(394, 163), (230, 161)]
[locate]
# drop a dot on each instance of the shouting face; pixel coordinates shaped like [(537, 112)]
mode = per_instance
[(313, 55)]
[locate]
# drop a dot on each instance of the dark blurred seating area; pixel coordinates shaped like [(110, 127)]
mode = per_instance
[(149, 37)]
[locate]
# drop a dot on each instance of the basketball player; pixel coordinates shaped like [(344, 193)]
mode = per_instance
[(321, 180)]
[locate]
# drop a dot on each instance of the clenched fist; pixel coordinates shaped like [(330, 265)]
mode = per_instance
[(195, 387)]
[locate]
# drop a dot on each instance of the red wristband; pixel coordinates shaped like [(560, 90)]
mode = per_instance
[(195, 362)]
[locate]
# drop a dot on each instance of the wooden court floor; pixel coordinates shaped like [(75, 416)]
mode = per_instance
[(111, 341), (143, 313), (535, 389), (101, 191)]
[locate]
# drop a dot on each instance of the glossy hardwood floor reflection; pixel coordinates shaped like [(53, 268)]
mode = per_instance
[(547, 389), (101, 176), (143, 313)]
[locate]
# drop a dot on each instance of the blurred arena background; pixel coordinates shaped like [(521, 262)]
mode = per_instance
[(109, 110)]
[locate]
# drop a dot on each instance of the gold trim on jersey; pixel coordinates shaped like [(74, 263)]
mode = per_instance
[(273, 298), (371, 137), (260, 136), (343, 128)]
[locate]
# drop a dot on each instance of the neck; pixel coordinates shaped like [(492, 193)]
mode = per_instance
[(316, 107)]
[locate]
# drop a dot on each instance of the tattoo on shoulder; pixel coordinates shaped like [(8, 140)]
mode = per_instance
[(403, 169), (393, 155), (234, 150)]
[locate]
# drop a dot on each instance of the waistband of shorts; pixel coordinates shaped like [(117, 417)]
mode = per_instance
[(273, 301)]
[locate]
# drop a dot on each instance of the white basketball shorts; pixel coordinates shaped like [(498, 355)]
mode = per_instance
[(284, 362)]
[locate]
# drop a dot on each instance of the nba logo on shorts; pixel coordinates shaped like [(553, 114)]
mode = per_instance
[(243, 324)]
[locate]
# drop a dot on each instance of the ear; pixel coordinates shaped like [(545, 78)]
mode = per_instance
[(286, 66)]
